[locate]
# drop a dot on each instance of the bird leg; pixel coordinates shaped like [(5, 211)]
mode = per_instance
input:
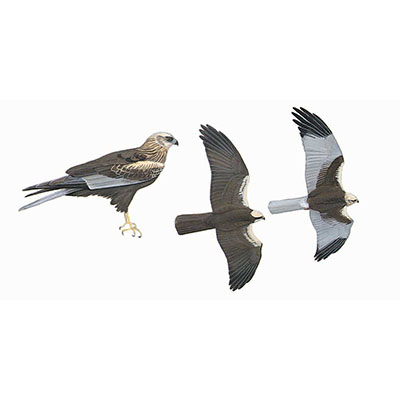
[(132, 226)]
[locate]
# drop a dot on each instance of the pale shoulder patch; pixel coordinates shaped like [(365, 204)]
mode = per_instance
[(146, 165), (339, 174), (343, 211), (251, 237), (243, 190), (138, 172), (139, 165)]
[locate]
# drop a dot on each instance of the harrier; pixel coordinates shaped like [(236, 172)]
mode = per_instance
[(117, 176), (326, 200), (231, 216)]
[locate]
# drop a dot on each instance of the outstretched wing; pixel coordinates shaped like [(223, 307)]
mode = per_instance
[(121, 168), (320, 147), (332, 231), (243, 252), (229, 175)]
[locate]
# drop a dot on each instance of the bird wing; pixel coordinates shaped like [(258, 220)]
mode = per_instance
[(243, 252), (333, 229), (320, 146), (229, 175), (331, 175), (121, 168)]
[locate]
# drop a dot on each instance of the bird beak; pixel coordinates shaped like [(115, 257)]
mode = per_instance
[(176, 142)]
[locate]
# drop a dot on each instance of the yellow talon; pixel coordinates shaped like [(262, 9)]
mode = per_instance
[(131, 225)]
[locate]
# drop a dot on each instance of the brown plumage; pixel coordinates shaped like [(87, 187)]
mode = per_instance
[(231, 216), (326, 199), (117, 176)]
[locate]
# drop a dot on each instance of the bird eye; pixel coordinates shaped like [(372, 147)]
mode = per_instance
[(169, 139)]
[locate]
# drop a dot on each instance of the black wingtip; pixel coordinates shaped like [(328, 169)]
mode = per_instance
[(208, 129), (211, 136), (33, 187), (38, 192), (233, 286), (310, 124), (331, 248), (239, 283), (296, 110)]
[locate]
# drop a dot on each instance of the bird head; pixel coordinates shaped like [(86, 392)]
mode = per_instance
[(350, 199), (257, 215), (164, 139)]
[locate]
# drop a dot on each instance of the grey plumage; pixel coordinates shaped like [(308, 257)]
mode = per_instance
[(117, 176), (331, 234), (326, 200), (51, 196), (98, 181), (282, 206)]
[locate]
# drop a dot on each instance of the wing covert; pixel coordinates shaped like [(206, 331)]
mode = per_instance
[(121, 168), (332, 233), (320, 146), (243, 252), (229, 174)]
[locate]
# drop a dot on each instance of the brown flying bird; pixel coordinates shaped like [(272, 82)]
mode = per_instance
[(231, 216), (117, 176), (326, 200)]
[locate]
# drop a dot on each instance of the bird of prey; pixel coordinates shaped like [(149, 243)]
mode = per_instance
[(326, 199), (231, 215), (117, 176)]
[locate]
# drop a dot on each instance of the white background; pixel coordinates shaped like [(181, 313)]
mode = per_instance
[(72, 248), (219, 50)]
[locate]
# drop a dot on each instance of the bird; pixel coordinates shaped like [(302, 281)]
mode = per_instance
[(231, 216), (327, 201), (117, 176)]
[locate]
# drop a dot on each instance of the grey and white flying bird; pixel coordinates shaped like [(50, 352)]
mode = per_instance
[(326, 199), (117, 176), (231, 215)]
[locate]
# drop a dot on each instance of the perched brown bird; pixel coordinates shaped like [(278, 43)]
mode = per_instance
[(326, 200), (117, 176), (231, 216)]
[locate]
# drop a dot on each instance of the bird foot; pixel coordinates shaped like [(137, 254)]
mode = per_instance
[(132, 227)]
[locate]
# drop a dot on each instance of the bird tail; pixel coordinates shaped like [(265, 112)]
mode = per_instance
[(281, 206), (65, 182), (59, 187), (51, 196), (190, 223)]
